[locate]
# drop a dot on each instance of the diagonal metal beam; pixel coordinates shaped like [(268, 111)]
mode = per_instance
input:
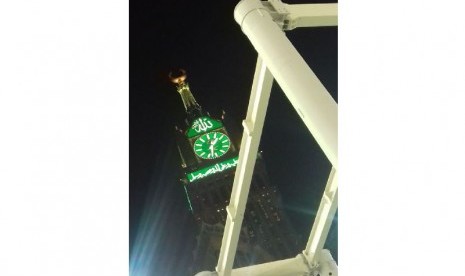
[(323, 219), (253, 126), (312, 101)]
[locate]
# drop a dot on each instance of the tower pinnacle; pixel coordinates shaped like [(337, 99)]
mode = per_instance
[(193, 109)]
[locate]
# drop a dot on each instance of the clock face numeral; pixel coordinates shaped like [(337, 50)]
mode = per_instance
[(212, 145)]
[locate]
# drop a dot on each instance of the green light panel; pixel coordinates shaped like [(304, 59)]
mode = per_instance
[(211, 170), (202, 125)]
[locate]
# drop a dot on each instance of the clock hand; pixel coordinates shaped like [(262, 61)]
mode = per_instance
[(211, 149)]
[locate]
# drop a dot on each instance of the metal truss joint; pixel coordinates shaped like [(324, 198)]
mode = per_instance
[(278, 12), (248, 127)]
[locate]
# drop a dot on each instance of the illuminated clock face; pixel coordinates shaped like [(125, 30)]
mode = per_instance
[(212, 145)]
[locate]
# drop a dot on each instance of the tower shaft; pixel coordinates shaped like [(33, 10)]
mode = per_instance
[(187, 98)]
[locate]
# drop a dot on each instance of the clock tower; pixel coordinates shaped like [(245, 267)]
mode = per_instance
[(208, 153)]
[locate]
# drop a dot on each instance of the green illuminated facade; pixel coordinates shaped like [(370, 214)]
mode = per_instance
[(210, 170)]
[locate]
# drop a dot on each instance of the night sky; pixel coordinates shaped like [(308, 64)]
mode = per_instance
[(203, 38)]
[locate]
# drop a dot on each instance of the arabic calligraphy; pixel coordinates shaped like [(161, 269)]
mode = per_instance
[(202, 125), (212, 169)]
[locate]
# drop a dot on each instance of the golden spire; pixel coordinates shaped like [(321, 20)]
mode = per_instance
[(190, 104)]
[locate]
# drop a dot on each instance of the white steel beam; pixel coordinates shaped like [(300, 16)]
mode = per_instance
[(310, 15), (253, 126), (314, 105), (287, 267), (302, 87), (296, 266), (323, 220), (289, 17)]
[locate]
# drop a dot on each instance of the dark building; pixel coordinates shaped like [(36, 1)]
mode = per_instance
[(208, 149)]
